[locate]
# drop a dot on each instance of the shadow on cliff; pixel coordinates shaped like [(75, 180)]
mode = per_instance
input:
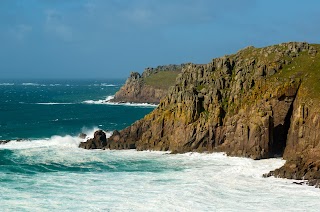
[(280, 134)]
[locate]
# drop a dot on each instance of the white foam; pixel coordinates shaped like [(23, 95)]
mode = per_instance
[(108, 102), (30, 84), (53, 85), (108, 85), (55, 141), (90, 132), (58, 141), (6, 84), (103, 101), (54, 103), (132, 104), (187, 182)]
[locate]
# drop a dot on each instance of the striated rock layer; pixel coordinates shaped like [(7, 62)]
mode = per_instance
[(257, 103), (150, 86)]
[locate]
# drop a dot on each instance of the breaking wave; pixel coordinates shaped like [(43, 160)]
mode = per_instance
[(108, 102), (6, 84), (54, 103), (67, 141), (31, 84)]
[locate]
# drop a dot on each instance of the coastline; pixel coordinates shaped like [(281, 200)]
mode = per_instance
[(249, 104)]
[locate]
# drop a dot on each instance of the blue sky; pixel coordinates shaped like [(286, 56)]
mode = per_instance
[(110, 38)]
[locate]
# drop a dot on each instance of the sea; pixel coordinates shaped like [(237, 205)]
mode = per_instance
[(42, 168)]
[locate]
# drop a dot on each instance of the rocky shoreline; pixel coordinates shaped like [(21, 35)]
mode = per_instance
[(258, 103)]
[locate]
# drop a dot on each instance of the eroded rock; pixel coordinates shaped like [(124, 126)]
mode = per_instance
[(137, 88), (255, 104), (97, 142)]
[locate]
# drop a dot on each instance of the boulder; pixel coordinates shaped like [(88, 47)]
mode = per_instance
[(97, 142)]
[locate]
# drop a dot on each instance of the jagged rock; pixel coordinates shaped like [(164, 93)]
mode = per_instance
[(258, 103), (97, 142)]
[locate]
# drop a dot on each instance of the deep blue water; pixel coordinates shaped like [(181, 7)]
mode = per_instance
[(31, 109)]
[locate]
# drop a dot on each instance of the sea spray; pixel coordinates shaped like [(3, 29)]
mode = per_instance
[(77, 179), (108, 102)]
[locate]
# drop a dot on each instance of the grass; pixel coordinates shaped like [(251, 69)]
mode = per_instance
[(304, 67), (308, 69), (162, 79)]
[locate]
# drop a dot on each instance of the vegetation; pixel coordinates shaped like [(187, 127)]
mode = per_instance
[(162, 79)]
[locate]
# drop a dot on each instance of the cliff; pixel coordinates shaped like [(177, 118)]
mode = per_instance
[(257, 103), (150, 86)]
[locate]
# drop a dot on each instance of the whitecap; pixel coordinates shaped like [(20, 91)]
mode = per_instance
[(132, 104), (61, 141), (104, 101), (67, 141), (104, 85), (30, 84), (107, 85), (6, 84), (54, 103), (108, 102)]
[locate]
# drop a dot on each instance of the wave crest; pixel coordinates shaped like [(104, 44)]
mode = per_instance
[(6, 84), (108, 99), (54, 103)]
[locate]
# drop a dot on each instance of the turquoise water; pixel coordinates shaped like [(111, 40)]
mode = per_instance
[(48, 172), (40, 109)]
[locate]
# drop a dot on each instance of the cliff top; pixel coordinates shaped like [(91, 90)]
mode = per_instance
[(300, 61), (161, 77)]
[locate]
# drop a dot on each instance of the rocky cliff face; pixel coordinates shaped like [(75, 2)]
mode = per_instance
[(302, 150), (258, 103), (150, 86)]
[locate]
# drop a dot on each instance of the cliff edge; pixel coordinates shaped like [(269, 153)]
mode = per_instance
[(257, 103), (150, 86)]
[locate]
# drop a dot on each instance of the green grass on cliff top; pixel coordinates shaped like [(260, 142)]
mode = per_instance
[(306, 68), (162, 79)]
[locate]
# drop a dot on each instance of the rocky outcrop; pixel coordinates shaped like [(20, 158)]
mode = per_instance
[(4, 142), (257, 103), (302, 148), (97, 142), (150, 86)]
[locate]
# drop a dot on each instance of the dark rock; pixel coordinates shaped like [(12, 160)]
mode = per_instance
[(82, 135), (5, 141), (299, 183), (314, 182), (98, 142)]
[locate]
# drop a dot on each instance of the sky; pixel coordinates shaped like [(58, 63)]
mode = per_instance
[(104, 39)]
